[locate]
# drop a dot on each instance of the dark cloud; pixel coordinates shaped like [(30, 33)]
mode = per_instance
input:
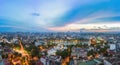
[(108, 19), (35, 14)]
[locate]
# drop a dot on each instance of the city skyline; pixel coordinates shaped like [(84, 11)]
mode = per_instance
[(59, 15)]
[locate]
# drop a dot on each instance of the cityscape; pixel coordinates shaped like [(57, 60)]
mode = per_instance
[(59, 32), (60, 48)]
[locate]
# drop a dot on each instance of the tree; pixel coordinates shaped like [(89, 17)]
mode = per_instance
[(2, 44), (59, 52), (91, 52), (63, 53), (102, 50), (33, 50)]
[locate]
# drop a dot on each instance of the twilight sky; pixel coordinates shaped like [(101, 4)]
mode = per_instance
[(59, 15)]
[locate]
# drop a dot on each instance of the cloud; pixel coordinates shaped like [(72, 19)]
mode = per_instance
[(79, 12), (94, 26), (58, 14), (17, 27), (108, 19), (7, 28), (35, 14)]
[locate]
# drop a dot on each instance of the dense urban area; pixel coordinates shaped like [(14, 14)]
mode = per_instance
[(59, 48)]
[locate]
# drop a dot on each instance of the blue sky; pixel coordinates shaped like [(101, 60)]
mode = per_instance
[(58, 15)]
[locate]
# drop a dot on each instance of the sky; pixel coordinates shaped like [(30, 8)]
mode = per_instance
[(59, 15)]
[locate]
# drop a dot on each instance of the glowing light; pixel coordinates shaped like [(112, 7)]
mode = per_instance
[(22, 51), (65, 61)]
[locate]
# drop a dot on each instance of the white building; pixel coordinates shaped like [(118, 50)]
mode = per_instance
[(112, 47)]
